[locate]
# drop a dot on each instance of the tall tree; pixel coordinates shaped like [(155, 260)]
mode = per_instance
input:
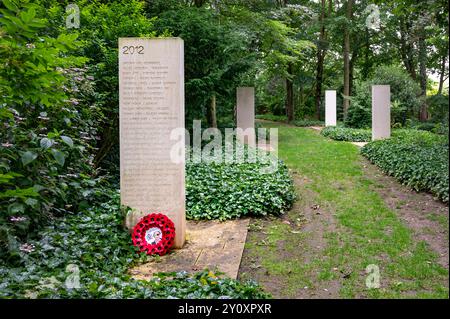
[(290, 94), (348, 15), (321, 50), (443, 69), (290, 111), (423, 113), (407, 45)]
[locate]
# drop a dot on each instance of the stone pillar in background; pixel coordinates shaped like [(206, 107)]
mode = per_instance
[(245, 115), (151, 99), (330, 108), (381, 112)]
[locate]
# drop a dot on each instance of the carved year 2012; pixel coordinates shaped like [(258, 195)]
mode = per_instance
[(139, 49)]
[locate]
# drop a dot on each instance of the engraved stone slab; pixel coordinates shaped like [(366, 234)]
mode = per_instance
[(245, 114), (151, 99), (381, 112), (330, 108)]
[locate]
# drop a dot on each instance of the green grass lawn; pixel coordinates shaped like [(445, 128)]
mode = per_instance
[(354, 228)]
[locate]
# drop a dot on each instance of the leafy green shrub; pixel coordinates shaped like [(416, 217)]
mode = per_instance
[(305, 123), (225, 191), (102, 24), (49, 125), (438, 106), (418, 159), (283, 118), (359, 116), (215, 57), (404, 97), (271, 117), (423, 126), (442, 129), (96, 242), (339, 133)]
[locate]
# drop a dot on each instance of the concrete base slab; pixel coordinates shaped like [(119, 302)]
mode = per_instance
[(209, 244), (317, 128), (359, 144)]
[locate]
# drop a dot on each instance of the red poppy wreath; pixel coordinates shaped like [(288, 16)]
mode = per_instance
[(154, 234)]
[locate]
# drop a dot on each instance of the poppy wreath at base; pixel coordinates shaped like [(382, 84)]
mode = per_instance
[(154, 234)]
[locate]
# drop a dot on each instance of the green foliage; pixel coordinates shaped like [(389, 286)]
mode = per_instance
[(423, 126), (225, 191), (404, 92), (283, 118), (306, 123), (96, 242), (438, 106), (215, 58), (102, 26), (359, 115), (271, 117), (439, 127), (418, 159), (49, 125), (339, 133)]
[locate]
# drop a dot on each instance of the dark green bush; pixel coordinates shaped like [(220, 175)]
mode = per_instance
[(271, 117), (417, 159), (339, 133), (359, 116), (404, 97), (225, 191), (423, 126), (49, 125), (305, 123), (283, 118), (96, 242), (438, 106), (214, 57)]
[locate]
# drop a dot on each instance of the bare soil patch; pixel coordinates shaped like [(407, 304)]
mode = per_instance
[(426, 216), (308, 220)]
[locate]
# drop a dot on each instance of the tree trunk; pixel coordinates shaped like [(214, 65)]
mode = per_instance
[(289, 84), (423, 116), (346, 101), (289, 95), (211, 112), (406, 49), (320, 60), (366, 66), (351, 68), (442, 75), (300, 95), (199, 3), (109, 137)]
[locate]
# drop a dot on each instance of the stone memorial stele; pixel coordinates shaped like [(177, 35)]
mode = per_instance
[(330, 108), (151, 99), (381, 112), (245, 115)]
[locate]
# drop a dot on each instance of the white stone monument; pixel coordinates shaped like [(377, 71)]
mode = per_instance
[(245, 115), (381, 112), (151, 95), (330, 108)]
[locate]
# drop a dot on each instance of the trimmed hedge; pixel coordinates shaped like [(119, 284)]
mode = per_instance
[(339, 133), (271, 117), (305, 123), (283, 118), (225, 191), (417, 159)]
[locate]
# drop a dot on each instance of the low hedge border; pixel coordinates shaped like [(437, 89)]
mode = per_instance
[(418, 159)]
